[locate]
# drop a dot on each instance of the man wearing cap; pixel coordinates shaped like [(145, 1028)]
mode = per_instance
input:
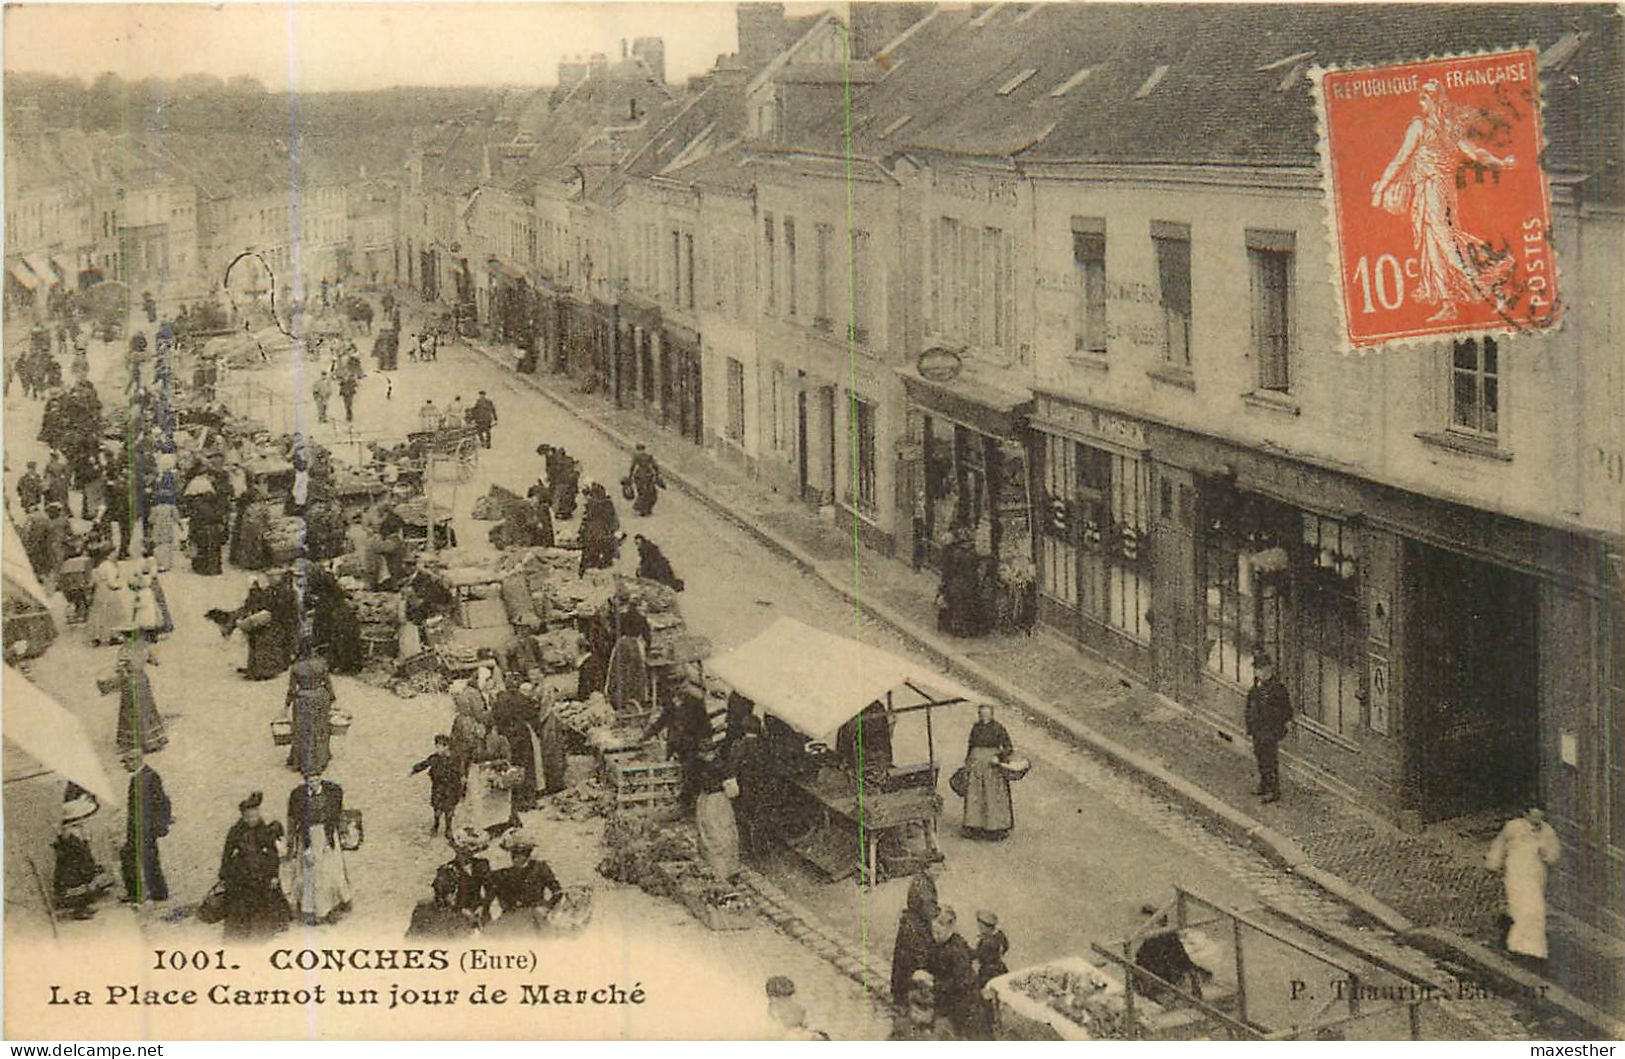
[(1268, 716), (255, 905), (788, 1015)]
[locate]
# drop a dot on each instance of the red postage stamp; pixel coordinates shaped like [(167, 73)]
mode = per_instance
[(1440, 212)]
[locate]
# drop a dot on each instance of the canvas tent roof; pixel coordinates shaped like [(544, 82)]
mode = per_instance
[(45, 733), (815, 681)]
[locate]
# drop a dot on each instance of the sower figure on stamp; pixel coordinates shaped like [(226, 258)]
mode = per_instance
[(1269, 715)]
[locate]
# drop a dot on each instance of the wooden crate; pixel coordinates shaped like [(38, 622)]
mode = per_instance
[(648, 789)]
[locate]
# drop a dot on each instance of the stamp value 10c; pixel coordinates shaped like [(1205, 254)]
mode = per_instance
[(1440, 211)]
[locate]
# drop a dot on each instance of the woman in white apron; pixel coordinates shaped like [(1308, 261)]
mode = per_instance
[(320, 879), (112, 610)]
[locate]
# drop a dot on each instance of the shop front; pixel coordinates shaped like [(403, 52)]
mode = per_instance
[(1094, 554), (682, 382), (635, 383), (971, 502)]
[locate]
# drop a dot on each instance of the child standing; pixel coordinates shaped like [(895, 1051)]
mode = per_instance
[(991, 945), (446, 781)]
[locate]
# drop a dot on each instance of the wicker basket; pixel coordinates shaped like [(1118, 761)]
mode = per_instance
[(282, 732), (339, 722)]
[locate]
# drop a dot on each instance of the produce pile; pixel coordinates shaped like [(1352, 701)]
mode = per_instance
[(663, 861), (1075, 996), (582, 802), (284, 538), (595, 712)]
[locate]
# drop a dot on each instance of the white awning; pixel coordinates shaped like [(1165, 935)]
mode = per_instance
[(42, 268), (41, 729), (815, 682), (24, 275)]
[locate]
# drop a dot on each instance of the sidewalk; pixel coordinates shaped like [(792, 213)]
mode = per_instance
[(1432, 886)]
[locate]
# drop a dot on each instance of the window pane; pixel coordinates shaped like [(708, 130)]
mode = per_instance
[(1491, 356), (1465, 405), (1492, 401), (1466, 354)]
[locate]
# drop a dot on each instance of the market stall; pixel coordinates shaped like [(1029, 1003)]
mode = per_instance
[(832, 704), (1196, 970)]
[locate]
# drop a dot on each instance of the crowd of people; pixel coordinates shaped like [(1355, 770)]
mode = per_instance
[(154, 491)]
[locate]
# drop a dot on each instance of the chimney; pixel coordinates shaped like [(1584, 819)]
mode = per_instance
[(652, 50), (876, 25), (761, 33), (728, 82)]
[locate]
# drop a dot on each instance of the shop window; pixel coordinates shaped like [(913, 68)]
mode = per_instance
[(1475, 387), (863, 459), (1089, 272), (1245, 593), (1058, 552), (770, 265), (1270, 256), (1173, 247), (736, 401), (1328, 627), (790, 300), (1094, 540)]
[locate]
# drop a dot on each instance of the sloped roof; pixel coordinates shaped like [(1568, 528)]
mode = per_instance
[(1199, 83)]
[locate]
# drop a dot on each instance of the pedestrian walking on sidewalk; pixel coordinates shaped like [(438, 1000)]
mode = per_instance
[(1269, 715), (484, 416), (645, 481), (1522, 852)]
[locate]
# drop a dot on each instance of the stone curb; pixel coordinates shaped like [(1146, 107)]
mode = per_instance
[(1510, 978), (1267, 842)]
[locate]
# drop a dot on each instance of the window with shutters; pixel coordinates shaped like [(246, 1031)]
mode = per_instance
[(676, 286), (1089, 273), (688, 273), (770, 266), (736, 400), (821, 305), (1173, 248), (780, 403), (790, 298), (1270, 256)]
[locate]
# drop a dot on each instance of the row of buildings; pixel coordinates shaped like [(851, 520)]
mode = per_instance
[(1059, 276), (169, 213)]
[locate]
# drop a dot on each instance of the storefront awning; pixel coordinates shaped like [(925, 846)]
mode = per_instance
[(24, 275), (971, 400), (42, 268), (42, 730), (815, 681)]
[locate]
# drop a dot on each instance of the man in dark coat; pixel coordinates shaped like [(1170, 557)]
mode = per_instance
[(1268, 716), (255, 904), (30, 488), (440, 917), (484, 416), (599, 525), (148, 818), (750, 768)]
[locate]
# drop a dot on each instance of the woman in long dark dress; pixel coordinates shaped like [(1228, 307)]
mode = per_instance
[(988, 812), (310, 706), (206, 525), (250, 540), (270, 638), (599, 524), (256, 907)]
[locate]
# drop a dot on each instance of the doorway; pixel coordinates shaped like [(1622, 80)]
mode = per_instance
[(803, 480), (1474, 684)]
